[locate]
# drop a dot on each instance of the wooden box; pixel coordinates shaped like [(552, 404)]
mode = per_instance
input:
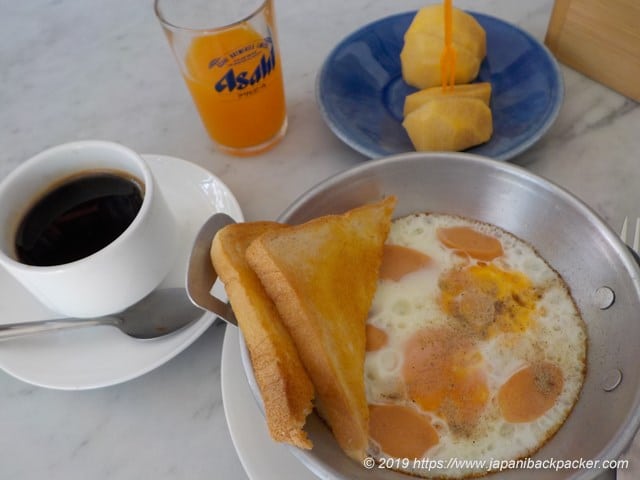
[(600, 38)]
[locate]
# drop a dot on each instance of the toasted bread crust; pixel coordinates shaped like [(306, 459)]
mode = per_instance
[(322, 277), (285, 387)]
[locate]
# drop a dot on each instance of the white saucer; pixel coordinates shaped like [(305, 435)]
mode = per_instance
[(261, 457), (103, 356)]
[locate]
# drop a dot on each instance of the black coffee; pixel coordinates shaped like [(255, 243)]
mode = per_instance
[(78, 217)]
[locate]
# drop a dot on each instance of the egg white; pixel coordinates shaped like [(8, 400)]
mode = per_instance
[(557, 334)]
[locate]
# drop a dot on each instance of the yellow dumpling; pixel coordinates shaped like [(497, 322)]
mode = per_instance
[(467, 32), (449, 124), (481, 91), (424, 40)]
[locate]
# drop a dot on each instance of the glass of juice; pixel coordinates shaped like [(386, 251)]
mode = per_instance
[(228, 53)]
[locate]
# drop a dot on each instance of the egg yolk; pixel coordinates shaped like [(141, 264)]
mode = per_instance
[(488, 299), (530, 392), (475, 244), (443, 374), (401, 432), (398, 261), (376, 338)]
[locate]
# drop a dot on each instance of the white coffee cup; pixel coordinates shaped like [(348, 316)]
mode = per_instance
[(118, 275)]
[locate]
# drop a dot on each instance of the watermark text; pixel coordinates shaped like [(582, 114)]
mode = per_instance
[(493, 465)]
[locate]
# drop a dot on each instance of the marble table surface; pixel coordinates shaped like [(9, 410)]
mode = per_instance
[(74, 69)]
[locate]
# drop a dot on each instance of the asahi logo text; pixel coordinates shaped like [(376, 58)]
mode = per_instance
[(237, 79)]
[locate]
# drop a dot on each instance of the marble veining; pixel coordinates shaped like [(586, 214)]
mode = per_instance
[(71, 70)]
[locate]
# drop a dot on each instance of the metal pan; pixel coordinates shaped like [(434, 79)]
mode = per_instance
[(593, 261)]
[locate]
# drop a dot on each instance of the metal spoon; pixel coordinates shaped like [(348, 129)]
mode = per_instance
[(200, 273), (161, 312)]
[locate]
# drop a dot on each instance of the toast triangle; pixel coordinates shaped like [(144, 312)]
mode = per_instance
[(322, 276), (285, 387)]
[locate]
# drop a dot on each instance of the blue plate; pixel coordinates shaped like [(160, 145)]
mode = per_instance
[(361, 92)]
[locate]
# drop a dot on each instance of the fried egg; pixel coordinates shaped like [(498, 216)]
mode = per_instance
[(475, 348)]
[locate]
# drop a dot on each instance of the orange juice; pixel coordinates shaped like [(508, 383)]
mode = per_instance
[(235, 79)]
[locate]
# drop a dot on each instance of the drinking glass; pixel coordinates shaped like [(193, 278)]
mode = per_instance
[(228, 54)]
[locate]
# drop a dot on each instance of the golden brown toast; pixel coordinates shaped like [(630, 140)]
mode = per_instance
[(322, 276), (287, 391)]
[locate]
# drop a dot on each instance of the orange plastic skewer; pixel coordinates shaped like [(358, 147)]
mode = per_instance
[(448, 57)]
